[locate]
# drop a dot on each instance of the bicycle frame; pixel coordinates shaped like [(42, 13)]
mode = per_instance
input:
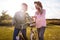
[(20, 36)]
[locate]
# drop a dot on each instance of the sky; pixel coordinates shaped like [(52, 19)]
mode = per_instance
[(52, 7)]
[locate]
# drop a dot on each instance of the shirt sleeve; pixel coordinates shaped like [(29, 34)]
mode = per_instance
[(44, 12)]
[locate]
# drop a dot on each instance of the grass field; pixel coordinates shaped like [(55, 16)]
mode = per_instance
[(52, 32)]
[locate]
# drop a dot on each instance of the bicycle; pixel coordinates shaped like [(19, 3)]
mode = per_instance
[(33, 34), (20, 35)]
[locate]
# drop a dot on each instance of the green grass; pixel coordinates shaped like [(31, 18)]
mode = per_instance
[(6, 33), (52, 32)]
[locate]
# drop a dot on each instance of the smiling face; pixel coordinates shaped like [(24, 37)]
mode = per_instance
[(38, 6)]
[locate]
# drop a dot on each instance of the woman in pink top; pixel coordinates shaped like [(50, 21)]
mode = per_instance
[(40, 19)]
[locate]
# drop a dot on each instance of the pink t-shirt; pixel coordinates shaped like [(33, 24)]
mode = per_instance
[(40, 19)]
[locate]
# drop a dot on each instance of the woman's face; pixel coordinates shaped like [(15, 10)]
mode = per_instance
[(37, 7)]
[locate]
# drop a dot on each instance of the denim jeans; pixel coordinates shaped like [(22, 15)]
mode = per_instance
[(41, 33), (16, 31)]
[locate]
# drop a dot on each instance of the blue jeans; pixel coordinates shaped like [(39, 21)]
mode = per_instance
[(41, 33), (16, 31)]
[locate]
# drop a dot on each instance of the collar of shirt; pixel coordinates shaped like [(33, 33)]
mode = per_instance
[(23, 11)]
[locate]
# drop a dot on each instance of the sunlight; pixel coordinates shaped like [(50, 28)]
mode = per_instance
[(52, 7)]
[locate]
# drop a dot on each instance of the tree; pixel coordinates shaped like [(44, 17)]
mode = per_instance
[(5, 19), (5, 16)]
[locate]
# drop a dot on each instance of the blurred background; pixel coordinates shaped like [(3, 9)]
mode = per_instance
[(9, 7)]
